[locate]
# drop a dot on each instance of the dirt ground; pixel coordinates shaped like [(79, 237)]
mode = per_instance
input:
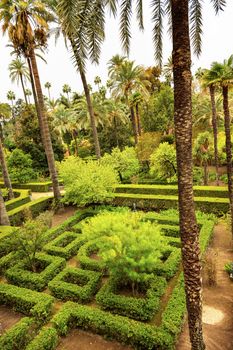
[(62, 215), (8, 318), (217, 300), (82, 340)]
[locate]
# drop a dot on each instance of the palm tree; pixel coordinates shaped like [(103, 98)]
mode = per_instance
[(222, 74), (4, 219), (97, 81), (28, 93), (11, 97), (48, 85), (19, 73), (181, 13), (168, 71), (26, 22), (66, 89), (5, 114)]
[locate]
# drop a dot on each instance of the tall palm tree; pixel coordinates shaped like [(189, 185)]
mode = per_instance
[(11, 97), (26, 23), (66, 89), (97, 81), (28, 93), (48, 86), (4, 219), (5, 113), (19, 73), (181, 13), (222, 74)]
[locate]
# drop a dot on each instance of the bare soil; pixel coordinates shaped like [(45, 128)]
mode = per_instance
[(8, 318), (217, 300), (82, 340), (62, 215)]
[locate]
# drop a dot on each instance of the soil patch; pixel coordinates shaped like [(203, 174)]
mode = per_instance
[(82, 340), (60, 217), (8, 318), (217, 300)]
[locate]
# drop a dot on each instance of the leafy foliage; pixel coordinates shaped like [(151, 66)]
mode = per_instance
[(20, 167), (163, 162)]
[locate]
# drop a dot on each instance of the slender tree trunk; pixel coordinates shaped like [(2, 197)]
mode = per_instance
[(4, 219), (215, 130), (183, 131), (49, 94), (45, 128), (23, 87), (227, 123), (6, 177), (116, 131), (138, 120), (74, 137), (205, 174), (89, 102), (134, 124)]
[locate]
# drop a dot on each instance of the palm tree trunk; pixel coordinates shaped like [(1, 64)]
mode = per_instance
[(205, 174), (4, 219), (23, 87), (228, 148), (6, 177), (45, 128), (134, 124), (89, 102), (183, 132), (215, 130), (138, 120), (116, 131)]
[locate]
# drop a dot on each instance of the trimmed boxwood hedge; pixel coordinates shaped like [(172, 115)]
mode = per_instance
[(88, 263), (47, 339), (33, 186), (28, 302), (20, 276), (23, 198), (66, 284), (138, 308), (71, 241)]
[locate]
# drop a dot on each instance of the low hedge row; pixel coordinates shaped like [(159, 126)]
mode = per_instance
[(33, 186), (138, 308), (169, 267), (20, 275), (88, 263), (28, 302), (7, 261), (47, 339), (37, 206), (75, 284), (23, 198), (158, 202), (123, 329), (172, 190), (18, 336), (66, 245)]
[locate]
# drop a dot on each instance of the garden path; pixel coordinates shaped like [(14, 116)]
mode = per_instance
[(217, 300)]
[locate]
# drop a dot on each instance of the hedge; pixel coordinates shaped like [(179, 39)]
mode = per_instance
[(123, 329), (158, 202), (71, 241), (172, 190), (169, 267), (138, 308), (88, 263), (33, 186), (18, 336), (75, 284), (23, 198), (21, 276), (37, 206), (28, 302), (47, 339)]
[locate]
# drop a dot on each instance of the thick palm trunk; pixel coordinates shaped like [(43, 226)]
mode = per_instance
[(134, 124), (228, 149), (45, 128), (138, 120), (6, 177), (4, 219), (23, 87), (215, 130), (183, 132)]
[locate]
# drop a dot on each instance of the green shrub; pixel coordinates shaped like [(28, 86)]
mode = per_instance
[(47, 339), (163, 162), (20, 167), (87, 181), (84, 257)]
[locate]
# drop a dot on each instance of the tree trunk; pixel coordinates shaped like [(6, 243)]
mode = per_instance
[(24, 92), (227, 124), (205, 174), (116, 131), (6, 177), (74, 137), (134, 124), (45, 128), (4, 219), (215, 130), (138, 120), (183, 131), (89, 102)]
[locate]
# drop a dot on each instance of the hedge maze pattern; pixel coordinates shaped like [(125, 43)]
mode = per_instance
[(88, 297)]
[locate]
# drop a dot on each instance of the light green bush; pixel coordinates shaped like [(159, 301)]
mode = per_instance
[(163, 162), (20, 167)]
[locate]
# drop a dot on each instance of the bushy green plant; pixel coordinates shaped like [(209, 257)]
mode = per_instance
[(163, 162), (131, 247), (125, 162), (20, 167), (87, 181)]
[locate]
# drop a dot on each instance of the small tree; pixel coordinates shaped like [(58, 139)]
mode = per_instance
[(203, 152), (20, 167), (87, 181), (125, 162), (163, 162)]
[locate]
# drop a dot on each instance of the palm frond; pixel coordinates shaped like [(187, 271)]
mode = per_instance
[(139, 12), (125, 18), (218, 5), (112, 4), (195, 13), (158, 12)]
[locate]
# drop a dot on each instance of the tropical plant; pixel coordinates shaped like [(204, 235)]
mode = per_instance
[(66, 89), (19, 72), (28, 93), (20, 167), (48, 86), (163, 162), (203, 152)]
